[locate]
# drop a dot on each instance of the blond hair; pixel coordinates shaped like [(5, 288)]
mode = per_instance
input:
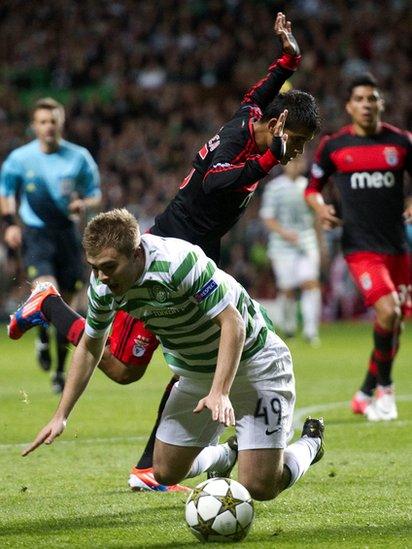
[(116, 229), (50, 104)]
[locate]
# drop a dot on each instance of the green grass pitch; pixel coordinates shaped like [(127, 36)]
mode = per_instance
[(74, 493)]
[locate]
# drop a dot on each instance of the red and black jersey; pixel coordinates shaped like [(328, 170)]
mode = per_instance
[(225, 172), (369, 174)]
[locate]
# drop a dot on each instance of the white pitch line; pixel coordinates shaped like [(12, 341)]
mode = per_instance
[(300, 414)]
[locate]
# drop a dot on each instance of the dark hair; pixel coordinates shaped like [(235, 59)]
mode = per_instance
[(303, 111), (364, 79)]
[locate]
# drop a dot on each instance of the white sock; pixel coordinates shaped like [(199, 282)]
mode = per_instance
[(310, 304), (290, 318), (219, 458), (279, 311), (299, 455)]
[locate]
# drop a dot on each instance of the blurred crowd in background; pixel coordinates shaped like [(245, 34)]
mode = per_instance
[(146, 83)]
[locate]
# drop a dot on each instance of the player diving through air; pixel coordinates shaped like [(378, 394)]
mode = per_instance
[(268, 128)]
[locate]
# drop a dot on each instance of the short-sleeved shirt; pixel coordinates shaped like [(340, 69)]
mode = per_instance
[(368, 172), (177, 296), (47, 183), (283, 200)]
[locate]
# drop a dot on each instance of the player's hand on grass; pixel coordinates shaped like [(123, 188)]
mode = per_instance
[(220, 406), (283, 29), (12, 237), (52, 430), (327, 216)]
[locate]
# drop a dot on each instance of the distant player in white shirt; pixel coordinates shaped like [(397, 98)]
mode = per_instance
[(293, 249), (219, 341)]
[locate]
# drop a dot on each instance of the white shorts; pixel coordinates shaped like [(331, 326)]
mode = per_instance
[(295, 268), (263, 411)]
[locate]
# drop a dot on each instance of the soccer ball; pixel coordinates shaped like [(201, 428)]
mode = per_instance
[(219, 509)]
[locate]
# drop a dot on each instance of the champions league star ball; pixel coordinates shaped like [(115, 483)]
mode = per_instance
[(219, 509)]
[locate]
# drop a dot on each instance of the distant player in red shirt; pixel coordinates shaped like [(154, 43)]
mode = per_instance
[(367, 160)]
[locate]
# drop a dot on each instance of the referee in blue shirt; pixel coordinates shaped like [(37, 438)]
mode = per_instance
[(51, 179)]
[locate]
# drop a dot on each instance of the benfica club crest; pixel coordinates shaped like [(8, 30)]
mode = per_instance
[(366, 281), (391, 156), (140, 346)]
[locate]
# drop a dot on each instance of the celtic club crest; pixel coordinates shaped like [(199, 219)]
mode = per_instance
[(159, 293)]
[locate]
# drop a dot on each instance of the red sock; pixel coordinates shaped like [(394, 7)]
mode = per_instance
[(67, 322), (76, 331), (385, 347)]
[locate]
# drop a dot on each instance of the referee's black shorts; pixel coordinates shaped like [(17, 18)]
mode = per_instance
[(54, 252)]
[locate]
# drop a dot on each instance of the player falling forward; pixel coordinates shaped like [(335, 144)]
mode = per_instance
[(268, 128), (52, 179), (180, 293), (368, 159)]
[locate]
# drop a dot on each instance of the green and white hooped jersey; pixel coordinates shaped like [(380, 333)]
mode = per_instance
[(178, 294), (283, 199)]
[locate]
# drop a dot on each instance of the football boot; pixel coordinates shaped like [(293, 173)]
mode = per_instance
[(29, 314)]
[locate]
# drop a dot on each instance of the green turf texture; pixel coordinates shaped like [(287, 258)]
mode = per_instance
[(74, 493)]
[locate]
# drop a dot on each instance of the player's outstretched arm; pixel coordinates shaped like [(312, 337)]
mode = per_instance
[(232, 339), (264, 91), (52, 430), (85, 357), (283, 29)]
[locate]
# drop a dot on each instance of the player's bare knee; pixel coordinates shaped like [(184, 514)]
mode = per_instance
[(388, 314), (261, 491), (163, 475), (310, 285), (160, 476)]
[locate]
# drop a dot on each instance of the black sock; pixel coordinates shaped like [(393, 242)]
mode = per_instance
[(62, 349), (146, 459), (369, 383), (44, 335), (383, 353), (60, 315), (43, 353)]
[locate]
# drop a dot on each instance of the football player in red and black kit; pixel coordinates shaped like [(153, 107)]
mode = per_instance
[(267, 129), (367, 160)]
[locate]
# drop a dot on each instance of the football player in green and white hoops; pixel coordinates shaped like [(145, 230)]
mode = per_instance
[(216, 338)]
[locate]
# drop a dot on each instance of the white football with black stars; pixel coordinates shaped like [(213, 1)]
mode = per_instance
[(219, 509)]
